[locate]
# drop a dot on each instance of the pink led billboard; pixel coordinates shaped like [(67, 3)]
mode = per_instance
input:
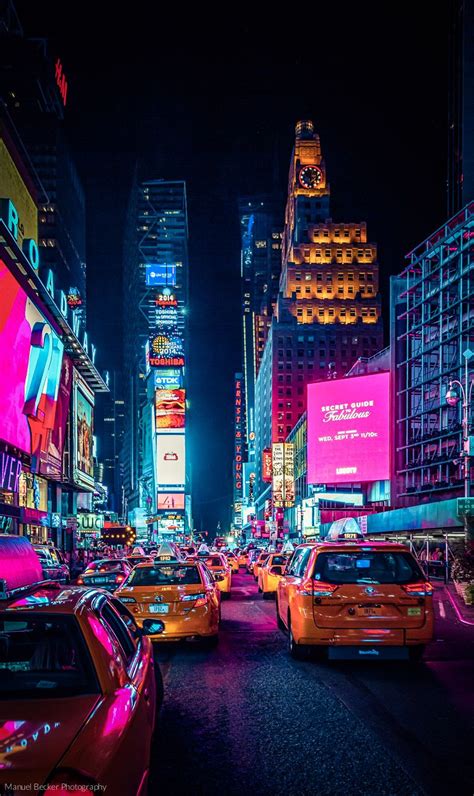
[(348, 430), (31, 356)]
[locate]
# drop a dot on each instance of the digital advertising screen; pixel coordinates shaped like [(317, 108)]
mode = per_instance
[(31, 355), (170, 460), (166, 350), (83, 435), (349, 430), (170, 501), (160, 274), (170, 409)]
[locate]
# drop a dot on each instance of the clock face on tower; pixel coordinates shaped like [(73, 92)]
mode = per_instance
[(310, 176)]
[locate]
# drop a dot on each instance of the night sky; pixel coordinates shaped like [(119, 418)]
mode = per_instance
[(215, 102)]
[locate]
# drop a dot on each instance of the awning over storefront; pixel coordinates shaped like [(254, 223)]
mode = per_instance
[(444, 515)]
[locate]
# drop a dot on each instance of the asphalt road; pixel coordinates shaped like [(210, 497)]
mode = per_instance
[(247, 719)]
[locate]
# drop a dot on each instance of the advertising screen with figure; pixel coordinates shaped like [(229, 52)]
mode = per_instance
[(31, 356), (83, 435), (348, 430)]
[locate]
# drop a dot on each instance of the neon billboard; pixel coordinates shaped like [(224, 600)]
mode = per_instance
[(170, 462), (349, 430), (31, 355), (170, 409), (160, 274), (83, 434), (166, 350)]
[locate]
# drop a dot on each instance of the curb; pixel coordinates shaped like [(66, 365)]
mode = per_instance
[(464, 613)]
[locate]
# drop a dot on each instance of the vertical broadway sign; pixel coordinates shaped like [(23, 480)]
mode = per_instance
[(238, 448)]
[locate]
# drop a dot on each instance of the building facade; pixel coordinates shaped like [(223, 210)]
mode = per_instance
[(155, 356), (328, 310)]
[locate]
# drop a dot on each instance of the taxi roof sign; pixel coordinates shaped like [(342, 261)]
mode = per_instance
[(168, 551)]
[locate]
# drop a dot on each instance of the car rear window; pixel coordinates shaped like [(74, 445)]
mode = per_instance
[(367, 567), (215, 561), (278, 561), (165, 575), (43, 656), (108, 566)]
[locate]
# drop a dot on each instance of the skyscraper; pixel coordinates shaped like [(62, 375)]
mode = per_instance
[(155, 350), (328, 311)]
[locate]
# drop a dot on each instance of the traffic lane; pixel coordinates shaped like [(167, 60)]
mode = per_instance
[(247, 717), (422, 713)]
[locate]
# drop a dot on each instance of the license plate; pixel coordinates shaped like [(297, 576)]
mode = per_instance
[(99, 580), (154, 608), (370, 612), (414, 611)]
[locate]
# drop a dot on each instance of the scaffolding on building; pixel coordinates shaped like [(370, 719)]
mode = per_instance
[(435, 326)]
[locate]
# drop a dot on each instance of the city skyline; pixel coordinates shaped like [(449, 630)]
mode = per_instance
[(396, 182)]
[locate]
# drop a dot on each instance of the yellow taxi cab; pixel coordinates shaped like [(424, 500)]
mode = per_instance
[(181, 599), (261, 558), (218, 564), (233, 562), (78, 686), (242, 557), (356, 599), (270, 573)]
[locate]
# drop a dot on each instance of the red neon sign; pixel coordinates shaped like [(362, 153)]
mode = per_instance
[(61, 81)]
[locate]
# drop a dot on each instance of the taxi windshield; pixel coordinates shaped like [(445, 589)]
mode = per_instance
[(367, 566), (42, 657), (166, 575)]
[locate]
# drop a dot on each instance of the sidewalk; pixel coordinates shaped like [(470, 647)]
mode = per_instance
[(465, 613)]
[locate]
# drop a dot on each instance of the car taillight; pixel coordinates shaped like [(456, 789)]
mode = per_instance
[(119, 578), (306, 588), (423, 589), (80, 582), (66, 780), (199, 599), (323, 589)]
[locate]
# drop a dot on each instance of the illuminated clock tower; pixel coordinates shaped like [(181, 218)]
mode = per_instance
[(328, 311)]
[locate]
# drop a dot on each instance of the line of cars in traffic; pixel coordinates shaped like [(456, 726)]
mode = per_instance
[(348, 598), (79, 683)]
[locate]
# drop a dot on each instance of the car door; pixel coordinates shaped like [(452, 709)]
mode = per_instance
[(132, 760), (286, 583)]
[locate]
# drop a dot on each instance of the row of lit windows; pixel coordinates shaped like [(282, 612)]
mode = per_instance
[(366, 289), (343, 312), (338, 233), (345, 255), (308, 277)]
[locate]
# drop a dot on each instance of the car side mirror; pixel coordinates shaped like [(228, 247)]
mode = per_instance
[(277, 570), (152, 627), (218, 578)]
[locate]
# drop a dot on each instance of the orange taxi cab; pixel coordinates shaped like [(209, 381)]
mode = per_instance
[(218, 564), (356, 599), (233, 562), (180, 598), (78, 687), (270, 573), (261, 558)]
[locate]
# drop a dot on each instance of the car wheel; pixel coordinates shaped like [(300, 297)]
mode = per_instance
[(296, 650), (267, 595), (280, 623), (416, 653)]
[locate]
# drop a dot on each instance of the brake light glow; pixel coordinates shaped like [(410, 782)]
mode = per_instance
[(324, 589), (306, 588), (423, 589), (80, 582), (119, 578)]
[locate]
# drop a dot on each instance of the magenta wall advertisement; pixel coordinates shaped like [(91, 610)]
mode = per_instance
[(348, 430), (31, 357)]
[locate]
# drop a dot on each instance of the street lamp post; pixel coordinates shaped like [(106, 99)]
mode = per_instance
[(452, 399)]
